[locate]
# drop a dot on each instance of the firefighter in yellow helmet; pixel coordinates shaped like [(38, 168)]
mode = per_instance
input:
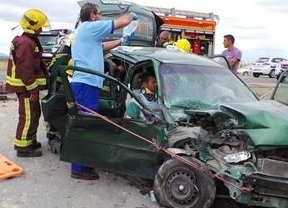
[(26, 76), (183, 45)]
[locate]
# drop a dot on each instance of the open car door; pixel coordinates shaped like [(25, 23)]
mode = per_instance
[(280, 93), (102, 140), (148, 22), (221, 60)]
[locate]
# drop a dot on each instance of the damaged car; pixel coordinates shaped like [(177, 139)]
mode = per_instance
[(214, 138)]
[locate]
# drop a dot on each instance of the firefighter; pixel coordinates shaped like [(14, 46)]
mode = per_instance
[(183, 45), (26, 76)]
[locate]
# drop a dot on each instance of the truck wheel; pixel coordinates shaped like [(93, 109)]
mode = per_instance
[(272, 74), (177, 185)]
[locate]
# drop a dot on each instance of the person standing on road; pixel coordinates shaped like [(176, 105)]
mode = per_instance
[(87, 52), (26, 76), (232, 53)]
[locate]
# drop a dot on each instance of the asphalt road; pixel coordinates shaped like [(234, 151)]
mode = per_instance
[(46, 182)]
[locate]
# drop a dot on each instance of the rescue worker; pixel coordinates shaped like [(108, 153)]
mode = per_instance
[(87, 51), (26, 76), (164, 39), (183, 45)]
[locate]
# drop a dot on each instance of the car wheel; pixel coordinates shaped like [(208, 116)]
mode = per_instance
[(245, 73), (272, 73), (256, 74), (178, 185)]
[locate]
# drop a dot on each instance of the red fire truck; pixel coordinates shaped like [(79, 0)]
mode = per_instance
[(197, 27)]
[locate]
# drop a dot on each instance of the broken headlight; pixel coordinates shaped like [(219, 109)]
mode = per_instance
[(237, 157)]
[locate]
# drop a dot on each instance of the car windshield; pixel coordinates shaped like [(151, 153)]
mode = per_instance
[(200, 87), (48, 40)]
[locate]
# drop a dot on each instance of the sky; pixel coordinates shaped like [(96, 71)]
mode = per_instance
[(259, 26)]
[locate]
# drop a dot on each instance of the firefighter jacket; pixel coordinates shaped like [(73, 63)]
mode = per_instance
[(26, 70)]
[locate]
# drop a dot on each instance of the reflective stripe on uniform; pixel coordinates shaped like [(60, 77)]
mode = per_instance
[(24, 142), (18, 82)]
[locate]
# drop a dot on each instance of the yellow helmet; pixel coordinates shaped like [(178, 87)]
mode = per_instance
[(33, 20), (184, 45)]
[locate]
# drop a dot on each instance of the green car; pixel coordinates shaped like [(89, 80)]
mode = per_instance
[(214, 138)]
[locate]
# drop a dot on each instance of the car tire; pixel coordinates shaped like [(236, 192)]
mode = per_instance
[(277, 77), (245, 73), (272, 73), (178, 185), (256, 74)]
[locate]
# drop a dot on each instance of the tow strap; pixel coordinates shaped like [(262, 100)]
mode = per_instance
[(159, 147)]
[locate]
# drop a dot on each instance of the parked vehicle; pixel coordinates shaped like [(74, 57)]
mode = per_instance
[(280, 67), (199, 28), (244, 71), (51, 41), (214, 136), (266, 66)]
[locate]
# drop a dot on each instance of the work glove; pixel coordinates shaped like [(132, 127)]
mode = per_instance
[(126, 38), (135, 16)]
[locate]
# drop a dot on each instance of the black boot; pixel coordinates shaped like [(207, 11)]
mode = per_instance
[(29, 153), (36, 145)]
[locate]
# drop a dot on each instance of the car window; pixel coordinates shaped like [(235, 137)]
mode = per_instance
[(262, 60), (276, 60), (281, 92), (199, 87), (47, 42)]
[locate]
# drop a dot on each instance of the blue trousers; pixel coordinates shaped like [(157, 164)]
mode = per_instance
[(87, 96)]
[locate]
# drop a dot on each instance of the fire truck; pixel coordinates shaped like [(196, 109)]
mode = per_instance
[(197, 27)]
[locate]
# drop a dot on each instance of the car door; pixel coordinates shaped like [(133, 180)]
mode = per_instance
[(148, 22), (221, 60), (280, 93), (114, 143)]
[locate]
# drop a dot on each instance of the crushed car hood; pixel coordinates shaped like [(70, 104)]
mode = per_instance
[(266, 122)]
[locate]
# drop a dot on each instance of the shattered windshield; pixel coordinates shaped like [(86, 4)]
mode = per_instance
[(199, 87)]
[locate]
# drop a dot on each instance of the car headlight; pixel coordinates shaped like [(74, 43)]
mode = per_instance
[(237, 157)]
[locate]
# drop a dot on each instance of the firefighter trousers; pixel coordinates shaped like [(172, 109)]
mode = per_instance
[(28, 121)]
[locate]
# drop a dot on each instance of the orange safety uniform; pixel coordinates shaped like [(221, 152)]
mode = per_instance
[(26, 75)]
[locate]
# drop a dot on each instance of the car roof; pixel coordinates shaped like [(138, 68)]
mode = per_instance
[(163, 55)]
